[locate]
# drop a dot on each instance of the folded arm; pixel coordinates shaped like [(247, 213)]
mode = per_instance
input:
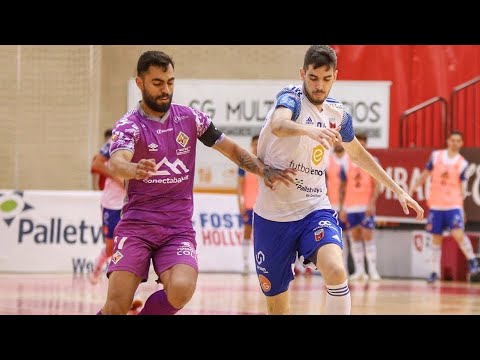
[(122, 166)]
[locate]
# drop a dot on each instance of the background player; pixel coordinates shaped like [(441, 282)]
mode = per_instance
[(447, 193), (247, 190), (358, 196)]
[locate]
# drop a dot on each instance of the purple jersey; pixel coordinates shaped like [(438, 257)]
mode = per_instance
[(167, 197)]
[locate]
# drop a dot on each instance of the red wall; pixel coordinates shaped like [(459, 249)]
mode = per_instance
[(417, 72)]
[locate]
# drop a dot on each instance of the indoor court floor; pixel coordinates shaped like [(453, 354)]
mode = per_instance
[(235, 294)]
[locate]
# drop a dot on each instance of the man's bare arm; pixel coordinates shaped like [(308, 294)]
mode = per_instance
[(373, 199), (122, 167), (98, 165), (365, 160), (420, 181), (283, 126), (249, 162)]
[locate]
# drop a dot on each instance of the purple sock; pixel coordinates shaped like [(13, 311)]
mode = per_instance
[(100, 312), (157, 304)]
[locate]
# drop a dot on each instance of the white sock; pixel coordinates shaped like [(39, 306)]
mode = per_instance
[(371, 253), (338, 300), (466, 248), (436, 255), (358, 256)]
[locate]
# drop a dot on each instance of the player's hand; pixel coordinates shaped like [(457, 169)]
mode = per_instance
[(406, 201), (326, 136), (370, 209), (145, 169), (272, 175)]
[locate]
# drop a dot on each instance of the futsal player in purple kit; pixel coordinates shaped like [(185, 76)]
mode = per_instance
[(154, 150)]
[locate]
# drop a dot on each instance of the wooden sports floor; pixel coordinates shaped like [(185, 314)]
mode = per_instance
[(234, 294)]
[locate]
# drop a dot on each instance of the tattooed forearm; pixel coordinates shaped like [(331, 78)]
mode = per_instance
[(247, 161), (269, 173)]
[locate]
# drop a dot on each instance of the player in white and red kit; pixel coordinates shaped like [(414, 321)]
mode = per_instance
[(298, 133)]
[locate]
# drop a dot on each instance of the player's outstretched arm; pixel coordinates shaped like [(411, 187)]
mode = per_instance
[(249, 162), (420, 181), (364, 159), (121, 166), (283, 126)]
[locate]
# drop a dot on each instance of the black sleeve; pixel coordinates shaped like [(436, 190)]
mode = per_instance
[(210, 136)]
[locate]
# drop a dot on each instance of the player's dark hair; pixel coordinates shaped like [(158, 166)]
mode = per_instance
[(153, 58), (320, 55), (455, 132)]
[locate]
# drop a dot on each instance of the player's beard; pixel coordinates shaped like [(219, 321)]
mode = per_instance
[(151, 102), (310, 98)]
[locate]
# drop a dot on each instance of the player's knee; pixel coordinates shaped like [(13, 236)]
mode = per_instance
[(181, 291), (335, 274)]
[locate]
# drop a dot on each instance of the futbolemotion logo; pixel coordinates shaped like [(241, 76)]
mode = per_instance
[(12, 204), (317, 154)]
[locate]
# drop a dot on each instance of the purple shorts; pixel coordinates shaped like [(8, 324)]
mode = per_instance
[(136, 244)]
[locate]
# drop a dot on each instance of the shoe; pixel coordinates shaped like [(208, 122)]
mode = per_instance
[(473, 266), (375, 276), (432, 278), (358, 276), (94, 276)]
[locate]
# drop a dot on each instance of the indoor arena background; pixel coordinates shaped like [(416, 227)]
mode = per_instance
[(56, 102)]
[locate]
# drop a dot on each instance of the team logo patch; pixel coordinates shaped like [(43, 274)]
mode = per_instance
[(317, 154), (182, 139), (265, 284), (117, 257), (153, 147), (319, 234)]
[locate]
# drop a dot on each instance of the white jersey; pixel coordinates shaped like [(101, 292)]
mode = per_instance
[(307, 156), (114, 193)]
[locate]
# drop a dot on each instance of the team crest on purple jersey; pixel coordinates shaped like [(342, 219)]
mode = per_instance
[(166, 197)]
